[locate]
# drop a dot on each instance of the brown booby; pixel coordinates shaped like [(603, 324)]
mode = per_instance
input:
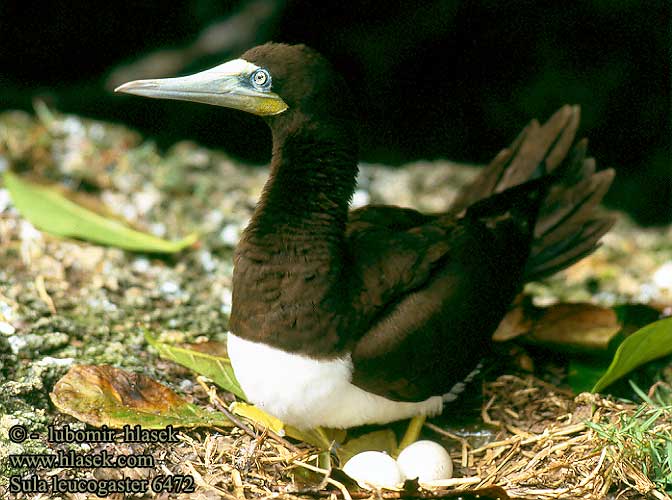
[(342, 318)]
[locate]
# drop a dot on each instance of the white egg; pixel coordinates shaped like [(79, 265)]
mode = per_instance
[(373, 468), (426, 460)]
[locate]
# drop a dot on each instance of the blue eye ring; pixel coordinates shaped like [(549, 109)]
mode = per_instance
[(261, 80)]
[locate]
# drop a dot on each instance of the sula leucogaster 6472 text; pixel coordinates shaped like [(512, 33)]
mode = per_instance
[(342, 318)]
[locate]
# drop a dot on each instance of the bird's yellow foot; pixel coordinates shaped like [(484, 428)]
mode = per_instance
[(412, 432)]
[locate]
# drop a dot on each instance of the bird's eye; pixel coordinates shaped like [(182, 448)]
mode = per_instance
[(261, 79)]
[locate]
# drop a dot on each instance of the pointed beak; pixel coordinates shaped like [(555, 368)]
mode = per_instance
[(225, 85)]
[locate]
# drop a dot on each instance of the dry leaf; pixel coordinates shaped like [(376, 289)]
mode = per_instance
[(580, 325), (105, 395)]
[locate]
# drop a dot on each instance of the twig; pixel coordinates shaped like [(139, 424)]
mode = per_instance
[(214, 399), (238, 489), (239, 423), (344, 491), (486, 417), (44, 295)]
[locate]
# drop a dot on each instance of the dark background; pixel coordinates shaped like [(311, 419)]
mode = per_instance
[(437, 79)]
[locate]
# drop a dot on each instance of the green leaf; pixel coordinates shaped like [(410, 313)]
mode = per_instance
[(382, 440), (50, 211), (105, 395), (320, 437), (651, 342), (216, 368)]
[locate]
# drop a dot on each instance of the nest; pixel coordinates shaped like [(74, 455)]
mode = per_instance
[(546, 447)]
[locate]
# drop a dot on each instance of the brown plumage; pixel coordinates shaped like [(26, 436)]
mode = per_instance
[(408, 300)]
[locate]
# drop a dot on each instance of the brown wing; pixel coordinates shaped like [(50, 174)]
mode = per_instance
[(432, 294), (392, 250), (435, 288)]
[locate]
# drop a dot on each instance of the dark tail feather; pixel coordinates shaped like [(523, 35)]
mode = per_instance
[(522, 201), (553, 258), (568, 226)]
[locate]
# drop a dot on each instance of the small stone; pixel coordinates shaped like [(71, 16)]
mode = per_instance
[(51, 361), (5, 200), (6, 328), (16, 343), (230, 235), (83, 257), (141, 265), (28, 232), (647, 293), (207, 261), (97, 132), (213, 218), (6, 311), (663, 276), (145, 200), (101, 303), (129, 212), (135, 297), (373, 469), (227, 301), (186, 385), (170, 288), (425, 460), (158, 229)]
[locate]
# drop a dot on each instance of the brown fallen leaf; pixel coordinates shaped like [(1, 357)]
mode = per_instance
[(105, 395), (516, 322), (580, 325)]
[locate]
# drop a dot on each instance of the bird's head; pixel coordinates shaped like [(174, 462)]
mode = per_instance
[(274, 80)]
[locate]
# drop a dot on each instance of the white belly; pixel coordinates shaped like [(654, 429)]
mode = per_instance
[(308, 393)]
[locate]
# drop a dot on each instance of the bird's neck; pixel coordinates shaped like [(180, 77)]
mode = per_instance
[(290, 259), (312, 178)]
